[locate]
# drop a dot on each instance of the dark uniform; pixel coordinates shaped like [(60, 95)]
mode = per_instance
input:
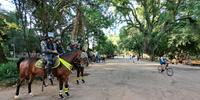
[(59, 47), (48, 52), (74, 46)]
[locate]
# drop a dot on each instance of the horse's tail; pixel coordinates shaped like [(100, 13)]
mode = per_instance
[(19, 61)]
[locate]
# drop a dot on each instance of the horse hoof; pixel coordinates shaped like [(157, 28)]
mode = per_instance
[(16, 97), (67, 94), (77, 81), (51, 82), (83, 81), (31, 94), (61, 96), (45, 85)]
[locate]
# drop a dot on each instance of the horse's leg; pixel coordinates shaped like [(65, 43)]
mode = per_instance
[(82, 70), (61, 88), (78, 74), (19, 82), (51, 80), (29, 85), (43, 83), (66, 88), (43, 79)]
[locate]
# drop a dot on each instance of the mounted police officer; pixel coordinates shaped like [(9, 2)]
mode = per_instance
[(59, 46), (49, 52), (74, 45), (84, 56)]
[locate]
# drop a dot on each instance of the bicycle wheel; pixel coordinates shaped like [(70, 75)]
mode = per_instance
[(159, 69), (169, 71)]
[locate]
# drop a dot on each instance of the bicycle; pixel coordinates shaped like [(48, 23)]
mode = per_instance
[(169, 70)]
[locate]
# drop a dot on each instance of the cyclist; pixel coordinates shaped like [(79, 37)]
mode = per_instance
[(163, 62)]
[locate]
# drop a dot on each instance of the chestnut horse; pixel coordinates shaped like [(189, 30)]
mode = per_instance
[(28, 71)]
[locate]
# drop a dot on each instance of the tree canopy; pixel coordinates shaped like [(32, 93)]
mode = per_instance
[(165, 26), (151, 26)]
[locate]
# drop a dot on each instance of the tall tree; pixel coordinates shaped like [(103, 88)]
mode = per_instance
[(155, 19), (5, 26)]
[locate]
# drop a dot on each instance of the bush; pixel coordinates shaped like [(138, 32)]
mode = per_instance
[(8, 73)]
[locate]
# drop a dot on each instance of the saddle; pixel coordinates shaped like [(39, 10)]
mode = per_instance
[(41, 63)]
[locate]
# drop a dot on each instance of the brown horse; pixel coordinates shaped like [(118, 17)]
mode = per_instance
[(27, 70)]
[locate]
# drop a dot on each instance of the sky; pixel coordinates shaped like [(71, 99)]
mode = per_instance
[(7, 5)]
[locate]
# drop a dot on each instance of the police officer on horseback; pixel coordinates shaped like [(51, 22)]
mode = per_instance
[(74, 45), (49, 52), (59, 46)]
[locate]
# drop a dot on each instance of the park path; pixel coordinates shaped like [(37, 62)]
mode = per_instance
[(120, 79)]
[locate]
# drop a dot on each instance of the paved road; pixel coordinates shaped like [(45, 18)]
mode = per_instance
[(120, 79)]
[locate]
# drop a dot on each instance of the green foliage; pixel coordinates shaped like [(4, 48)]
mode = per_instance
[(164, 26), (80, 19), (131, 40), (153, 26), (96, 19), (6, 25), (188, 43), (105, 46), (8, 73)]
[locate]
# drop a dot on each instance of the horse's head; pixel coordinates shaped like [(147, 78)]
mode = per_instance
[(81, 58), (74, 57), (77, 54)]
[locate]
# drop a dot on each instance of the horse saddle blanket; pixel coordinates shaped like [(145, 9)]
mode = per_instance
[(41, 63)]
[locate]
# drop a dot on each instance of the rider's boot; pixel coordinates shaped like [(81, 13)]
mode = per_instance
[(162, 70), (49, 75)]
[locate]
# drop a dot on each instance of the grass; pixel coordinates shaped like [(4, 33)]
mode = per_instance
[(8, 73)]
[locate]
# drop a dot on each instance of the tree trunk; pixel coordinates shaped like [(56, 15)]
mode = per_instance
[(2, 55), (145, 49)]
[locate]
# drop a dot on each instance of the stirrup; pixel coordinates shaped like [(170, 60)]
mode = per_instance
[(49, 77)]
